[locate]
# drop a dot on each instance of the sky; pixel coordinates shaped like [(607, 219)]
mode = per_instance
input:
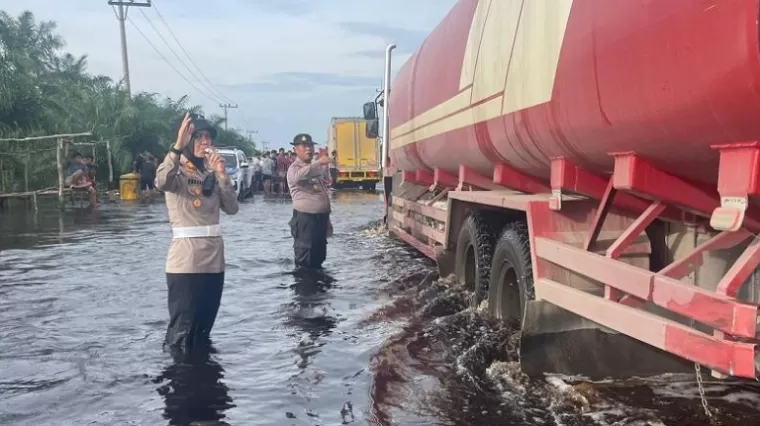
[(289, 65)]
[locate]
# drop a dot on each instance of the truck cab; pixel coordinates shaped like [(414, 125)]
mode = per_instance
[(358, 155)]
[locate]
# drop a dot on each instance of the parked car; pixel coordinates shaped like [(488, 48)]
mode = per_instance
[(238, 169)]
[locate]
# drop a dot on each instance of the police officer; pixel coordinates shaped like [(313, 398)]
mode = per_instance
[(197, 187), (310, 225)]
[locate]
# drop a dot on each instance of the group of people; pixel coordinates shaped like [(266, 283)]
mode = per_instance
[(197, 187), (270, 171), (81, 175)]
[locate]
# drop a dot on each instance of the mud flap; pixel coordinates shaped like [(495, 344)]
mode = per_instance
[(558, 341)]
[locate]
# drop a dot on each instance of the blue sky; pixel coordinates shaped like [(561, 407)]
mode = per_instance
[(290, 65)]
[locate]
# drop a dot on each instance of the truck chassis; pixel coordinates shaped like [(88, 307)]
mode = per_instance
[(634, 253)]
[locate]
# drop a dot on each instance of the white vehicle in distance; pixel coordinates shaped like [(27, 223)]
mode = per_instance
[(238, 169)]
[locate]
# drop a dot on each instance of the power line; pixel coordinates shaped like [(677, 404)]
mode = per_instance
[(210, 84), (210, 91), (167, 61)]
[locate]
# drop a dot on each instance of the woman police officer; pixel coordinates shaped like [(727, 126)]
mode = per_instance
[(197, 187)]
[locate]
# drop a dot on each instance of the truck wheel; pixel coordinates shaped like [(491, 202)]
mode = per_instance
[(511, 282), (473, 255)]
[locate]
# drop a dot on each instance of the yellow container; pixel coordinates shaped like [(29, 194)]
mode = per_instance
[(129, 186)]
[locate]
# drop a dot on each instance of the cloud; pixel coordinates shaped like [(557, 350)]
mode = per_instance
[(297, 82), (406, 40), (290, 65), (287, 7)]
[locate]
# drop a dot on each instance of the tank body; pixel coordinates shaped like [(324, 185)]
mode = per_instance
[(522, 81)]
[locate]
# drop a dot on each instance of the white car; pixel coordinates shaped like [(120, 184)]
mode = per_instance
[(238, 169)]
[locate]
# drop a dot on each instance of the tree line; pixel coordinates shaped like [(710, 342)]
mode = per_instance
[(45, 90)]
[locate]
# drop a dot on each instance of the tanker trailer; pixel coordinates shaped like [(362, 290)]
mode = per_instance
[(589, 170)]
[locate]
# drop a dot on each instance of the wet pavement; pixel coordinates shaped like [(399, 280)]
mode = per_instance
[(370, 341)]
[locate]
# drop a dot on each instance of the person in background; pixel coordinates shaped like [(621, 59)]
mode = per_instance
[(75, 164), (147, 169), (291, 157), (282, 170), (197, 188), (310, 225), (88, 160), (334, 168), (267, 170), (256, 165), (84, 180)]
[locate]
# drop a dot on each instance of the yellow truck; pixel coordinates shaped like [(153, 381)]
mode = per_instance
[(358, 155)]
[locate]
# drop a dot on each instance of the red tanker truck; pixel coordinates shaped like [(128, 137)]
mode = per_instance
[(590, 169)]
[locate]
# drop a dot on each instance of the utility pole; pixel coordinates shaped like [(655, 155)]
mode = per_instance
[(121, 7), (264, 146), (226, 107), (251, 133)]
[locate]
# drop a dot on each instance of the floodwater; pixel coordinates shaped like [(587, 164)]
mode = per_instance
[(377, 339)]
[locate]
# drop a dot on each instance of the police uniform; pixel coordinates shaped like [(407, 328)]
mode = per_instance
[(311, 209), (195, 263)]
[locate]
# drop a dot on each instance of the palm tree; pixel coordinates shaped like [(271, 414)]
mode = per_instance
[(44, 90)]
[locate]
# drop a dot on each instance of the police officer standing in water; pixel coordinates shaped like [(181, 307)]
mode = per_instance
[(310, 225), (197, 188)]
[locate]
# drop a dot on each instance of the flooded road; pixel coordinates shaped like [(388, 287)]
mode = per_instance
[(377, 339)]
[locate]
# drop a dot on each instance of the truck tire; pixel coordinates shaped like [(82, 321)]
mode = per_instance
[(474, 250), (511, 282)]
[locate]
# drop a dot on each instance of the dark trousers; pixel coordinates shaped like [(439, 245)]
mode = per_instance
[(309, 231), (193, 304)]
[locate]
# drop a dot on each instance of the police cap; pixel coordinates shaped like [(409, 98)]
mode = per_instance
[(302, 139), (203, 124)]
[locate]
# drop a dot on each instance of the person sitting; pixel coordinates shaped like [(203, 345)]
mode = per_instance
[(75, 164), (84, 180)]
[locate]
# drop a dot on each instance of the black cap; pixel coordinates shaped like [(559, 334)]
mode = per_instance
[(302, 138), (203, 124)]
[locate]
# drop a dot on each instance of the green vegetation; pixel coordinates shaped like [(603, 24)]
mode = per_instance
[(44, 90)]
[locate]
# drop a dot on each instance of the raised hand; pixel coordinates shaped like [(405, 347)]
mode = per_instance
[(185, 132), (324, 160)]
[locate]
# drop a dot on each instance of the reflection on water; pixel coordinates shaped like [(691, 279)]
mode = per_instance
[(83, 314), (29, 229), (374, 338), (193, 390), (309, 310), (451, 365)]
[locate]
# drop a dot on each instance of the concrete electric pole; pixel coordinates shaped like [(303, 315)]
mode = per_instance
[(226, 107), (121, 7)]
